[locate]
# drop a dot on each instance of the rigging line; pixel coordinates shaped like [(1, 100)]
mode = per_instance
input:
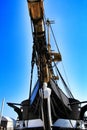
[(30, 87), (62, 61), (44, 16), (66, 76), (63, 104), (59, 51), (31, 83), (54, 39), (62, 98), (32, 66), (67, 89)]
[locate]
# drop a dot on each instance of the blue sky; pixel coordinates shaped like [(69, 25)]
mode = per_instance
[(70, 29)]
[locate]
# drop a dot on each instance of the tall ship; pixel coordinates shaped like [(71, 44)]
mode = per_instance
[(47, 107)]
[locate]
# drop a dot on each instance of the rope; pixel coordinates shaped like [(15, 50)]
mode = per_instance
[(32, 66), (61, 95), (31, 82), (70, 94), (67, 89), (54, 39), (66, 78), (59, 51)]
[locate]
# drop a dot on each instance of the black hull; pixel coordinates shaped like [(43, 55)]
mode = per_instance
[(61, 108)]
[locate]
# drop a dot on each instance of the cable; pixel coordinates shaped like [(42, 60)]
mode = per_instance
[(31, 83), (67, 89), (54, 39), (66, 77), (62, 63), (62, 98)]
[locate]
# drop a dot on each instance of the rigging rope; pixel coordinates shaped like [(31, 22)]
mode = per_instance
[(54, 39), (69, 92), (67, 89), (32, 66), (31, 83), (66, 77)]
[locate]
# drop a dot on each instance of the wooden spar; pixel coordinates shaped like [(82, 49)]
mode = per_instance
[(44, 56)]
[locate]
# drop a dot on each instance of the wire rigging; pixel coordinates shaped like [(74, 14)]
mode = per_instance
[(54, 39), (65, 75), (67, 88)]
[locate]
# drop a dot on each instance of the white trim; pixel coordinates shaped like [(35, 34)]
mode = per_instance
[(34, 123)]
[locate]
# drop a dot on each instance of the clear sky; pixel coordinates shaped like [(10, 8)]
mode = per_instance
[(70, 30)]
